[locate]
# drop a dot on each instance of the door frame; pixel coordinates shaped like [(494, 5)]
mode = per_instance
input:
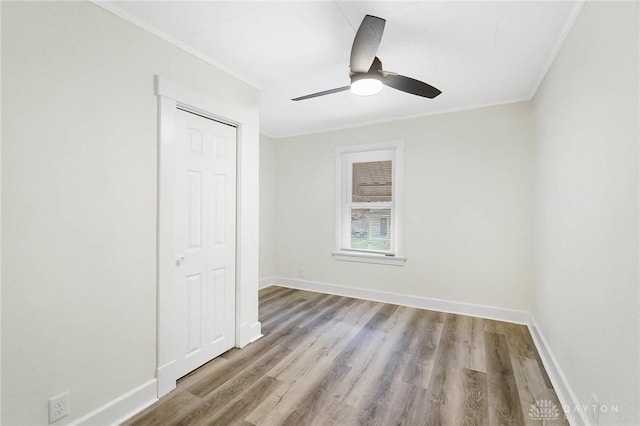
[(172, 95)]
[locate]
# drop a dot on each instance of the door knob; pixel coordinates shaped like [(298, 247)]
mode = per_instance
[(180, 261)]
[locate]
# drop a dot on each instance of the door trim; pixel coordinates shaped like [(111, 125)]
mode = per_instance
[(172, 95)]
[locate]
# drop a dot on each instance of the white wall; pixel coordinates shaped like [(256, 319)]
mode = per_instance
[(586, 273), (0, 218), (79, 191), (468, 207), (267, 207)]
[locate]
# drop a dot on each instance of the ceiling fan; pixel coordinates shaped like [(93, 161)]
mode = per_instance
[(367, 75)]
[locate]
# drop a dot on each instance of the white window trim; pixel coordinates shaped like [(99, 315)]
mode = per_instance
[(343, 190)]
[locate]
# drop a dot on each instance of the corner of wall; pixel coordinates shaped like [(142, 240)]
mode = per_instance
[(558, 379), (586, 293), (267, 207), (0, 214)]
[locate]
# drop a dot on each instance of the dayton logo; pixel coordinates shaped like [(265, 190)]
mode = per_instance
[(544, 410)]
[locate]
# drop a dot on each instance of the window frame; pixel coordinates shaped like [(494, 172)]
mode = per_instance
[(345, 157)]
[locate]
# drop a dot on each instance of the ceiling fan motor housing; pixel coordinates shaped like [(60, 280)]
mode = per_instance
[(371, 74)]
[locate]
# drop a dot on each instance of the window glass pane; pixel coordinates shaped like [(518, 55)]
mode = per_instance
[(371, 229), (371, 181)]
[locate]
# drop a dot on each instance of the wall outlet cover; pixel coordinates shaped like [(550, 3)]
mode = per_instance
[(58, 407)]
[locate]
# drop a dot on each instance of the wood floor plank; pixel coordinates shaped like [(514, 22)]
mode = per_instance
[(286, 331), (241, 369), (368, 364), (207, 370), (327, 344), (318, 400), (373, 328), (168, 410), (470, 337), (524, 336), (344, 415), (228, 391), (236, 410), (332, 311), (531, 380), (295, 312), (423, 351), (331, 360), (292, 394), (379, 399), (519, 340), (415, 408), (280, 305), (532, 389), (274, 294), (370, 319), (264, 408), (475, 409), (445, 386), (504, 400), (395, 412)]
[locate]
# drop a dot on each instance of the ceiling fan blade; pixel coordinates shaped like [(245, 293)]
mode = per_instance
[(326, 92), (365, 45), (410, 85)]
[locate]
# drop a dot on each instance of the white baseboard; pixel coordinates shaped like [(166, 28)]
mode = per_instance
[(166, 376), (570, 404), (266, 282), (123, 407), (480, 311), (247, 333)]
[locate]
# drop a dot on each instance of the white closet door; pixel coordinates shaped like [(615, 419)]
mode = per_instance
[(205, 245)]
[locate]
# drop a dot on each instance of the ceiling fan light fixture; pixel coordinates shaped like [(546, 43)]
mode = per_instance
[(365, 68), (366, 86)]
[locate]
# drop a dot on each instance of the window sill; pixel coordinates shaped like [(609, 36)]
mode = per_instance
[(353, 256)]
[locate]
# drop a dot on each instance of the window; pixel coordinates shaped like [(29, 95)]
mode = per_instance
[(369, 203), (383, 226)]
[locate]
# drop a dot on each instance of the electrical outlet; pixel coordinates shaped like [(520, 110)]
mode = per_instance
[(58, 407), (300, 272)]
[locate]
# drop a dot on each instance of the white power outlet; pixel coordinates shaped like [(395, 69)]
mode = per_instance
[(58, 407)]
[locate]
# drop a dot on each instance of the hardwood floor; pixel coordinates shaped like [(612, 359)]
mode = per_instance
[(331, 360)]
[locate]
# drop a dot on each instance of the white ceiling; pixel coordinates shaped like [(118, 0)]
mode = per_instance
[(477, 53)]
